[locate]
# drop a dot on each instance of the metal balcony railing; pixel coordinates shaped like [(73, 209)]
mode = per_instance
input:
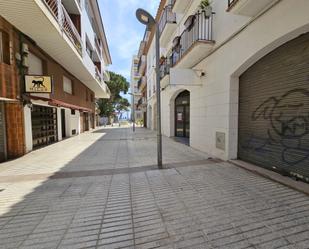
[(98, 46), (167, 17), (140, 102), (142, 81), (199, 30), (165, 68), (142, 65), (63, 18), (106, 76), (98, 74), (139, 83)]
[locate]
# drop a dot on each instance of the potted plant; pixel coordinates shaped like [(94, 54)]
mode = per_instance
[(206, 8)]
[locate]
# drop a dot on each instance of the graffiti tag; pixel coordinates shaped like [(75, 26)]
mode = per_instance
[(288, 118)]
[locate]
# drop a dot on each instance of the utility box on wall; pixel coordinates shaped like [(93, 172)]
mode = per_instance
[(220, 140)]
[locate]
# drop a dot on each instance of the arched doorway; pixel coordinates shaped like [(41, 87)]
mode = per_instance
[(273, 110), (182, 114)]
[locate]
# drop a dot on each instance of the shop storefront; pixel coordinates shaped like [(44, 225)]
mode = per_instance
[(44, 125), (182, 115), (273, 110)]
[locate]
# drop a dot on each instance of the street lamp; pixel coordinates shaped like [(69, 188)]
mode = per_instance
[(147, 19)]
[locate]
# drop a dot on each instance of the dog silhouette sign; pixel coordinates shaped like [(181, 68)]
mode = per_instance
[(38, 84)]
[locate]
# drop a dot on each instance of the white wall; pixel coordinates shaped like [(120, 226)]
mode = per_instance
[(214, 105), (72, 122), (59, 127), (28, 129)]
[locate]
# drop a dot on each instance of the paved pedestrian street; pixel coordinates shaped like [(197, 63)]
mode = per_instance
[(102, 190)]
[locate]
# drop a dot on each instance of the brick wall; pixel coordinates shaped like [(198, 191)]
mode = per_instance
[(14, 130), (9, 79), (52, 68)]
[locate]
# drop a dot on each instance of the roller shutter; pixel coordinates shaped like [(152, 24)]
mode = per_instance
[(274, 110)]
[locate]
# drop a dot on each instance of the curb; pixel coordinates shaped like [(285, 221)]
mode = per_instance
[(287, 181)]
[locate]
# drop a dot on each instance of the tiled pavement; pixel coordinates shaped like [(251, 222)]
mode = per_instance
[(101, 190)]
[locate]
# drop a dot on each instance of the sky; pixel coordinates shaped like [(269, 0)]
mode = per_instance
[(124, 33)]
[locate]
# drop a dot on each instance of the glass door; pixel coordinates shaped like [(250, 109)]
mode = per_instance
[(180, 121)]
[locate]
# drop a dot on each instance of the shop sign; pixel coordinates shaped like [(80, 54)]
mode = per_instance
[(38, 84)]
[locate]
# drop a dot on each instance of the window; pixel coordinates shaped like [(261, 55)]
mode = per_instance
[(72, 112), (91, 97), (86, 95), (35, 65), (5, 47), (67, 85)]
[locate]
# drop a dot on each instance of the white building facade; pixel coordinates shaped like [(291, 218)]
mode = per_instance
[(235, 81)]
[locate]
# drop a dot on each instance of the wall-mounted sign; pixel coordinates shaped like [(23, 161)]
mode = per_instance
[(38, 84)]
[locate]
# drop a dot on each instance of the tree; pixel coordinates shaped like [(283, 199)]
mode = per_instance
[(116, 103)]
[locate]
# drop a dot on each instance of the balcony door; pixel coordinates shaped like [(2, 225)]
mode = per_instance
[(182, 115)]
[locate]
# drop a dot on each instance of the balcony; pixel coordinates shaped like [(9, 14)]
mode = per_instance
[(167, 25), (247, 7), (141, 49), (195, 43), (72, 6), (106, 76), (142, 83), (98, 74), (142, 65), (179, 6), (165, 72), (64, 20), (49, 24), (98, 47)]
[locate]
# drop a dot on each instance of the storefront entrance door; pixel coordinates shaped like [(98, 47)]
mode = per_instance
[(182, 115)]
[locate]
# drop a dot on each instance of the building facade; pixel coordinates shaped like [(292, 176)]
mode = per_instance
[(53, 66), (234, 80), (141, 97), (135, 91)]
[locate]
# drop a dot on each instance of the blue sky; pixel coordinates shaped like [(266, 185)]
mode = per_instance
[(123, 31)]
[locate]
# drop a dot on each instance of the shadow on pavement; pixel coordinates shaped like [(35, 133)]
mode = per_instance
[(65, 209)]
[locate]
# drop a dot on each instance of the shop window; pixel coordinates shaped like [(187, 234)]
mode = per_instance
[(67, 85), (4, 47)]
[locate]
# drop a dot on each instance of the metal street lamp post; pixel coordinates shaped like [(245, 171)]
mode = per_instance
[(147, 19)]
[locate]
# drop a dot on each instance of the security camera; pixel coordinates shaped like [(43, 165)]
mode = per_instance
[(200, 73)]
